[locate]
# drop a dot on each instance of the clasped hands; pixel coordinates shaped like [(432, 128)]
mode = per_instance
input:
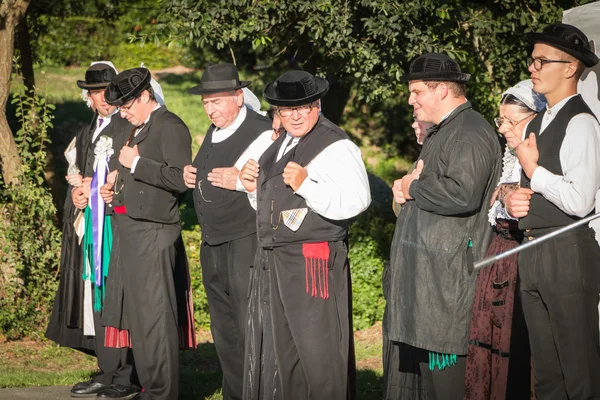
[(225, 178), (81, 189), (401, 186)]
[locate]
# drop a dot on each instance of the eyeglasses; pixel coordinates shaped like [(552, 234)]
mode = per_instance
[(499, 121), (302, 110), (538, 63), (127, 107)]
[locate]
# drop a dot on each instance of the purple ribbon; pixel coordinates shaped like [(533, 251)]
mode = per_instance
[(97, 206)]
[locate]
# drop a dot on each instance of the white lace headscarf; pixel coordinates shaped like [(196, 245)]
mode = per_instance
[(252, 102), (511, 170)]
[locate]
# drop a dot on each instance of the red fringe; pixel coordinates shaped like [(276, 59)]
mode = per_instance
[(115, 337), (316, 256)]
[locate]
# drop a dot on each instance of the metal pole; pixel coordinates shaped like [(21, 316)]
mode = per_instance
[(492, 259)]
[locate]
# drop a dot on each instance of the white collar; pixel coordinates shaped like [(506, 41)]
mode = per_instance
[(558, 106)]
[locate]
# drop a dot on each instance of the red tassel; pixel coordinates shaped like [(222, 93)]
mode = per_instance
[(316, 256)]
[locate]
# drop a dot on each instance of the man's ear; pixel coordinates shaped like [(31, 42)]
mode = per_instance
[(571, 69), (443, 90), (239, 97)]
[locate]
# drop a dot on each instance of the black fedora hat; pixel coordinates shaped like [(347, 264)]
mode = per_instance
[(219, 78), (127, 86), (566, 38), (295, 88), (98, 76), (434, 67)]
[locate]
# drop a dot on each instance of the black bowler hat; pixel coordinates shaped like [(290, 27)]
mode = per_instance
[(97, 76), (434, 67), (127, 86), (566, 38), (295, 88), (219, 78)]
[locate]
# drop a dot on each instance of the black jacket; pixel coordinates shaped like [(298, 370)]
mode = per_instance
[(153, 192)]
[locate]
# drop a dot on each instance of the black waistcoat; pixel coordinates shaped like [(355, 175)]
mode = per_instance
[(223, 214), (275, 196), (542, 213), (83, 144)]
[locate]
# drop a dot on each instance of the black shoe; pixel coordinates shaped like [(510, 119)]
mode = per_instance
[(88, 389), (120, 392)]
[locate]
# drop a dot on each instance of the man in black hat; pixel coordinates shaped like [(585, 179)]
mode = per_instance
[(441, 229), (145, 196), (307, 185), (227, 220), (560, 278), (116, 371)]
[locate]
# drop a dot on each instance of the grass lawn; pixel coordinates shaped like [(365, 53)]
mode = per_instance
[(31, 363)]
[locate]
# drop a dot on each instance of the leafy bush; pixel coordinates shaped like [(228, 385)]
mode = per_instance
[(29, 239), (80, 40), (192, 240), (370, 238), (73, 41)]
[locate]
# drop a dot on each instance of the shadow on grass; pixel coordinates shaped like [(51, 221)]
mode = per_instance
[(200, 373), (201, 377), (369, 385)]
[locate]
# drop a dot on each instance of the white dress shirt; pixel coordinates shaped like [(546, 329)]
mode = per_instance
[(575, 191), (105, 122), (254, 151), (337, 186)]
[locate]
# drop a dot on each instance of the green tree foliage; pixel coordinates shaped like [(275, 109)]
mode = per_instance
[(29, 239), (366, 45)]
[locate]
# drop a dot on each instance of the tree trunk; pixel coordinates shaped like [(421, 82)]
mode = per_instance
[(24, 45), (11, 12)]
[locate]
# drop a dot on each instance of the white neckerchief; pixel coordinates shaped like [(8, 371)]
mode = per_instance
[(220, 135)]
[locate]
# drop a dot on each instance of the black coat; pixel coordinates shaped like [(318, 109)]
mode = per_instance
[(65, 326), (432, 288), (153, 192)]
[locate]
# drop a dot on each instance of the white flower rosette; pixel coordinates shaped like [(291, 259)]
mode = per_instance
[(103, 150)]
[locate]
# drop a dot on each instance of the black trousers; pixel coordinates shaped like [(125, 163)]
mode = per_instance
[(311, 336), (226, 274), (148, 255), (560, 282), (116, 365)]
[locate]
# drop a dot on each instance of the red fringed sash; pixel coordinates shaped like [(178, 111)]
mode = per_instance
[(316, 256)]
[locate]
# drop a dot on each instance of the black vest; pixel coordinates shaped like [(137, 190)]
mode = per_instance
[(275, 196), (542, 213), (225, 215)]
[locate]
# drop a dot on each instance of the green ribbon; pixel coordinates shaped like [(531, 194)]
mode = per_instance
[(88, 254)]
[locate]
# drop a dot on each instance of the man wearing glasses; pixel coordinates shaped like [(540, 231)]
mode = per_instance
[(560, 278), (145, 196), (227, 220), (307, 185)]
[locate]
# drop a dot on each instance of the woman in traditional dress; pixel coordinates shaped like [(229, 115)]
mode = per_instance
[(498, 360)]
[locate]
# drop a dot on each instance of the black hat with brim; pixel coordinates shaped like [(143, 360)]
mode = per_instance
[(566, 38), (218, 78), (295, 88), (435, 67), (127, 86), (98, 76)]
